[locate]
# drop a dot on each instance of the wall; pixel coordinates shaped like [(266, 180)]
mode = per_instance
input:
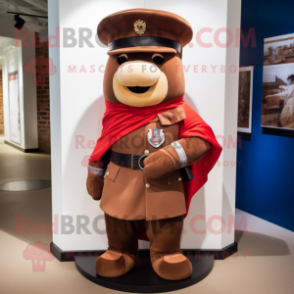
[(43, 100), (265, 175), (1, 106), (77, 107)]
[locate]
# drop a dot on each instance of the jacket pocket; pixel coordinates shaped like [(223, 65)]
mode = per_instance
[(112, 172)]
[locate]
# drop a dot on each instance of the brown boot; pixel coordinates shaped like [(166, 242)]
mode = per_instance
[(166, 256), (123, 248), (113, 264)]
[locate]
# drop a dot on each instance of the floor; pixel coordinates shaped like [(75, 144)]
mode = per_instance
[(264, 264)]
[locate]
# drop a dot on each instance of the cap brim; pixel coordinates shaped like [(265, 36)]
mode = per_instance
[(151, 49)]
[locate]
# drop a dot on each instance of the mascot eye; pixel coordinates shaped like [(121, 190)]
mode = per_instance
[(158, 58), (122, 58)]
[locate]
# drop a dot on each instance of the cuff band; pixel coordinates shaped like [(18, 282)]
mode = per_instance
[(181, 153), (97, 171)]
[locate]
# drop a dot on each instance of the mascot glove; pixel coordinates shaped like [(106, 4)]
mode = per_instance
[(95, 186), (161, 163), (95, 182)]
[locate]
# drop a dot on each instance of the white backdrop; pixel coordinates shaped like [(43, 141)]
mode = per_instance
[(77, 107)]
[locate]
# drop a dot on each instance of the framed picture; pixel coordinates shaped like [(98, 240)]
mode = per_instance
[(278, 50), (14, 107), (245, 99), (278, 83)]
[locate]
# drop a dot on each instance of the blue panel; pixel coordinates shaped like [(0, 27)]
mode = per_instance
[(265, 172)]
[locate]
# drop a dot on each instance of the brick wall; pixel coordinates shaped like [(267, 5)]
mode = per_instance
[(1, 106), (43, 97)]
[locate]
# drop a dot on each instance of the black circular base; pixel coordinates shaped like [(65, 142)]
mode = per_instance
[(142, 278)]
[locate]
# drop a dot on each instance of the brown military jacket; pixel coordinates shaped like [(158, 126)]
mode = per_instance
[(127, 194)]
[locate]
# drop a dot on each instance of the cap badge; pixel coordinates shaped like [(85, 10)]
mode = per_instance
[(140, 27)]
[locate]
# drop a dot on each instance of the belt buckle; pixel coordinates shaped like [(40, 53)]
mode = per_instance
[(143, 156)]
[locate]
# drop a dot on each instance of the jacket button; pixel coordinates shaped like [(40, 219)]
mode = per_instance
[(180, 179), (146, 152), (147, 186)]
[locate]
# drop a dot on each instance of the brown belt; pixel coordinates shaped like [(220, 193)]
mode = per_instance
[(135, 161)]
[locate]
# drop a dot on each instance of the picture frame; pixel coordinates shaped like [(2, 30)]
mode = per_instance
[(278, 83), (245, 99)]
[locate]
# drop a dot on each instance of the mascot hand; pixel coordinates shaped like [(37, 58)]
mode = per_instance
[(161, 163), (95, 180), (95, 186)]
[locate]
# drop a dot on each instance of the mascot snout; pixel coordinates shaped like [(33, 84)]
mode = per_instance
[(140, 83)]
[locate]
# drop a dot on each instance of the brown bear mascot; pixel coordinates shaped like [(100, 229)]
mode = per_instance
[(154, 152)]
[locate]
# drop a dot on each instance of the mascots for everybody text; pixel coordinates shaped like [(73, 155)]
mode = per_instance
[(155, 151)]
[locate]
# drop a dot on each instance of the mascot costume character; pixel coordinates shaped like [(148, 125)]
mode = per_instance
[(155, 151)]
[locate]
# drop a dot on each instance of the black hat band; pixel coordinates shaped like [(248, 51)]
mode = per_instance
[(144, 42)]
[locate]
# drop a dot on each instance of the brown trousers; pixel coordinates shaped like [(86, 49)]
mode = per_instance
[(164, 235)]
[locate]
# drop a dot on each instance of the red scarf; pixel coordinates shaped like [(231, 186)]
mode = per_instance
[(120, 120)]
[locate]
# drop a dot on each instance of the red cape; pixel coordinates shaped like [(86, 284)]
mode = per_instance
[(120, 120)]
